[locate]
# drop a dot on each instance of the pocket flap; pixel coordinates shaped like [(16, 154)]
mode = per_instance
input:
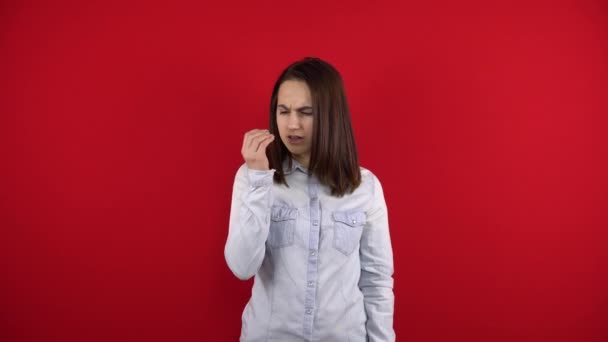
[(353, 218), (283, 213)]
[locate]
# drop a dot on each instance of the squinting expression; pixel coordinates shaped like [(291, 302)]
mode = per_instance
[(294, 119)]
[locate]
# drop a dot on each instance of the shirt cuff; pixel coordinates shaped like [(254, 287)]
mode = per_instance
[(260, 178)]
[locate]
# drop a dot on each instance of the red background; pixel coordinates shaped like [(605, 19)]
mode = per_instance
[(120, 132)]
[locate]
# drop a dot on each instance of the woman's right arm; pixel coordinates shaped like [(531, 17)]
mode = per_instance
[(249, 221), (250, 209)]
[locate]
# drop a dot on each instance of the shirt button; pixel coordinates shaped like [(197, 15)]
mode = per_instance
[(308, 311), (315, 223), (311, 283), (354, 221), (313, 252)]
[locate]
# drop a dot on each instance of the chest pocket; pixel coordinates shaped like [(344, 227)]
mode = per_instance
[(348, 227), (282, 226)]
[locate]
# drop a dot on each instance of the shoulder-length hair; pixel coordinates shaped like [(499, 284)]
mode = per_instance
[(333, 156)]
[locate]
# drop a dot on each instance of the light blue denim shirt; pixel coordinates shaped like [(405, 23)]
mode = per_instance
[(323, 265)]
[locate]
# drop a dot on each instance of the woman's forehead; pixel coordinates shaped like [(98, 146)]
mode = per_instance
[(294, 93)]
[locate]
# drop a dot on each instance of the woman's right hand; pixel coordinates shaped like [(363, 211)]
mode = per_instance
[(254, 148)]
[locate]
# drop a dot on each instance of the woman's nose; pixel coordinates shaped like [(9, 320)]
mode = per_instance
[(294, 121)]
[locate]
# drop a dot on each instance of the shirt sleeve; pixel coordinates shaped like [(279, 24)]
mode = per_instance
[(376, 282), (249, 221)]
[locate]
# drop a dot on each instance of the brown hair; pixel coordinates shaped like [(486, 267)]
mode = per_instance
[(333, 155)]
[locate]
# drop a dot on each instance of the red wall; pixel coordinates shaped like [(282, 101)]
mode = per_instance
[(120, 133)]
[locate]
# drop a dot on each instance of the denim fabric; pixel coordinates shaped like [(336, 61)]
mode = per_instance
[(323, 265)]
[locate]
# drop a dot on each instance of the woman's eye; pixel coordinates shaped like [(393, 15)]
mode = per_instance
[(283, 112)]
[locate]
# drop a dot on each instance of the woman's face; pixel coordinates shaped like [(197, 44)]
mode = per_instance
[(294, 119)]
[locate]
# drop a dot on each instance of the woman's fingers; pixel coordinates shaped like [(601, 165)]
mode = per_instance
[(254, 147), (248, 139), (264, 143), (258, 140), (252, 135)]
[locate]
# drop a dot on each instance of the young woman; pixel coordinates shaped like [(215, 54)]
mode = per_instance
[(308, 222)]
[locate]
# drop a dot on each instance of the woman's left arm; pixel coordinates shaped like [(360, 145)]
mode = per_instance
[(376, 281)]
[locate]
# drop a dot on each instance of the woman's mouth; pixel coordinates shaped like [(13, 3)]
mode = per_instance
[(295, 139)]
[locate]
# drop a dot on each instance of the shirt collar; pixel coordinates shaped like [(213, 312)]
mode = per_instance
[(294, 166)]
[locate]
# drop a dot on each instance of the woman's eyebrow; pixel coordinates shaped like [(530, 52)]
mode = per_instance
[(301, 108)]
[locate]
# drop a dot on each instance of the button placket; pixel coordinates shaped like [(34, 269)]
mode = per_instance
[(312, 268)]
